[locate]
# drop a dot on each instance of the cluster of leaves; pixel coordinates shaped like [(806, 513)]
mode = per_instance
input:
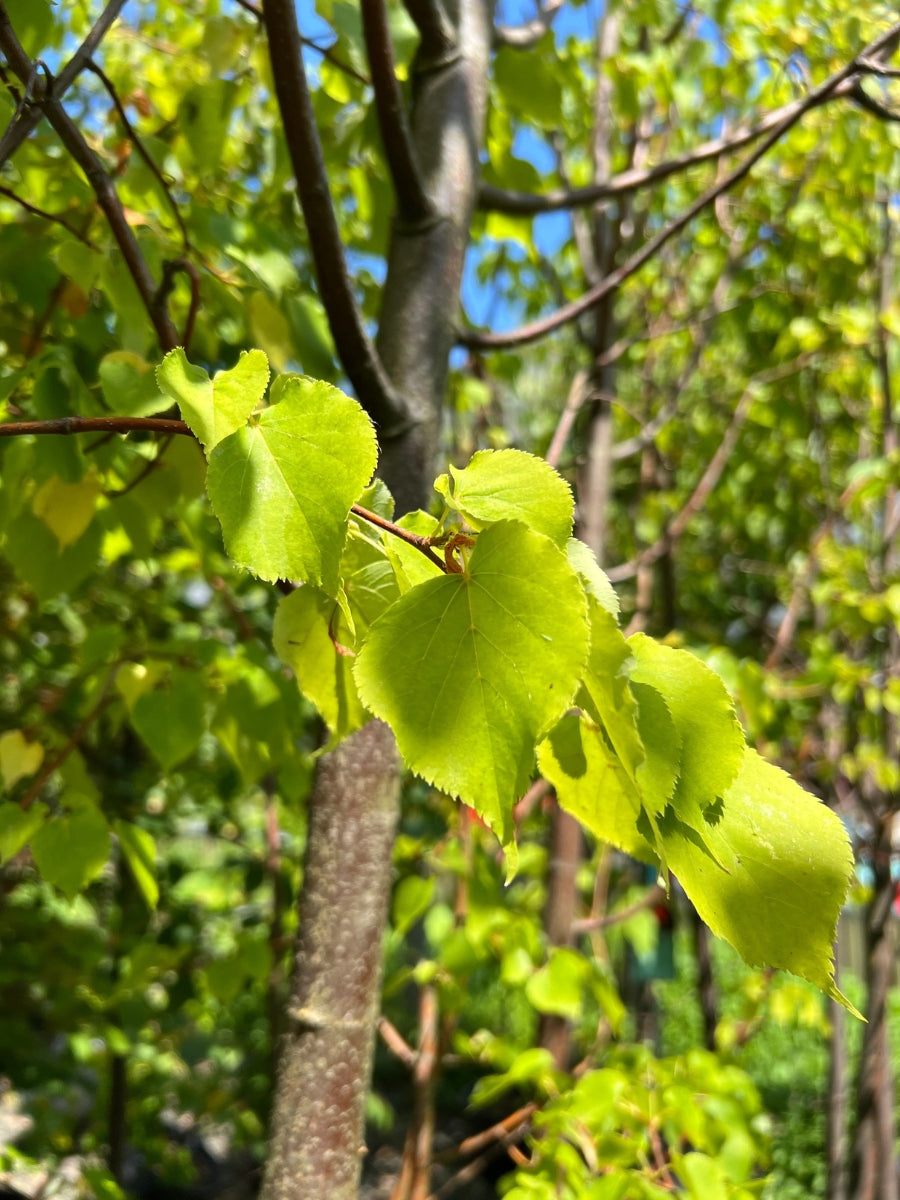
[(475, 663)]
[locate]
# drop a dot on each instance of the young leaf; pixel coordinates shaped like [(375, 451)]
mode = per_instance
[(501, 485), (19, 758), (171, 719), (469, 670), (282, 487), (214, 408), (712, 741), (595, 580), (787, 866)]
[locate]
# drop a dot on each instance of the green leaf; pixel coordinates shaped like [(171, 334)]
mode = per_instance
[(17, 826), (595, 580), (530, 82), (71, 850), (38, 559), (501, 485), (170, 719), (786, 866), (558, 987), (214, 408), (592, 784), (469, 670), (203, 117), (129, 386), (139, 851), (712, 741), (19, 758), (282, 488), (304, 623)]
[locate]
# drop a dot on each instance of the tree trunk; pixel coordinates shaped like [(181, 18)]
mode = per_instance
[(874, 1170), (326, 1054), (318, 1120)]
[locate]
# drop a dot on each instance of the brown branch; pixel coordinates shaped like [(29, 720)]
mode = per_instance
[(438, 35), (414, 205), (326, 51), (19, 130), (425, 1077), (527, 204), (524, 36), (570, 312), (63, 426), (170, 270), (412, 539), (138, 144), (70, 425), (47, 216), (860, 96), (710, 476), (53, 764), (73, 140), (396, 1042), (588, 924), (357, 354)]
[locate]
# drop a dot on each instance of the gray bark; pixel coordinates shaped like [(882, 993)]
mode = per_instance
[(326, 1058)]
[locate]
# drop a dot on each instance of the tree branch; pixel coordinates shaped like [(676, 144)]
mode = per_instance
[(357, 354), (135, 140), (570, 312), (47, 216), (524, 36), (19, 130), (53, 764), (110, 425), (710, 476), (439, 42), (413, 203), (107, 198), (526, 204)]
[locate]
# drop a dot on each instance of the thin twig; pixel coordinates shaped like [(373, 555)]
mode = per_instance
[(650, 898), (63, 426), (710, 476), (357, 353), (573, 310), (53, 764), (19, 130), (170, 270), (74, 141), (527, 204), (47, 216), (396, 1042), (522, 37), (138, 144), (414, 204)]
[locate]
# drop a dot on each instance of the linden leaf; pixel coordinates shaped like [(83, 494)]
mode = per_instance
[(500, 485), (19, 758), (67, 509), (470, 670), (786, 864), (283, 487), (214, 408)]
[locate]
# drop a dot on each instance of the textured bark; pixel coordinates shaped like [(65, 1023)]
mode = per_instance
[(836, 1129), (874, 1170), (317, 1127), (326, 1055), (421, 295)]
